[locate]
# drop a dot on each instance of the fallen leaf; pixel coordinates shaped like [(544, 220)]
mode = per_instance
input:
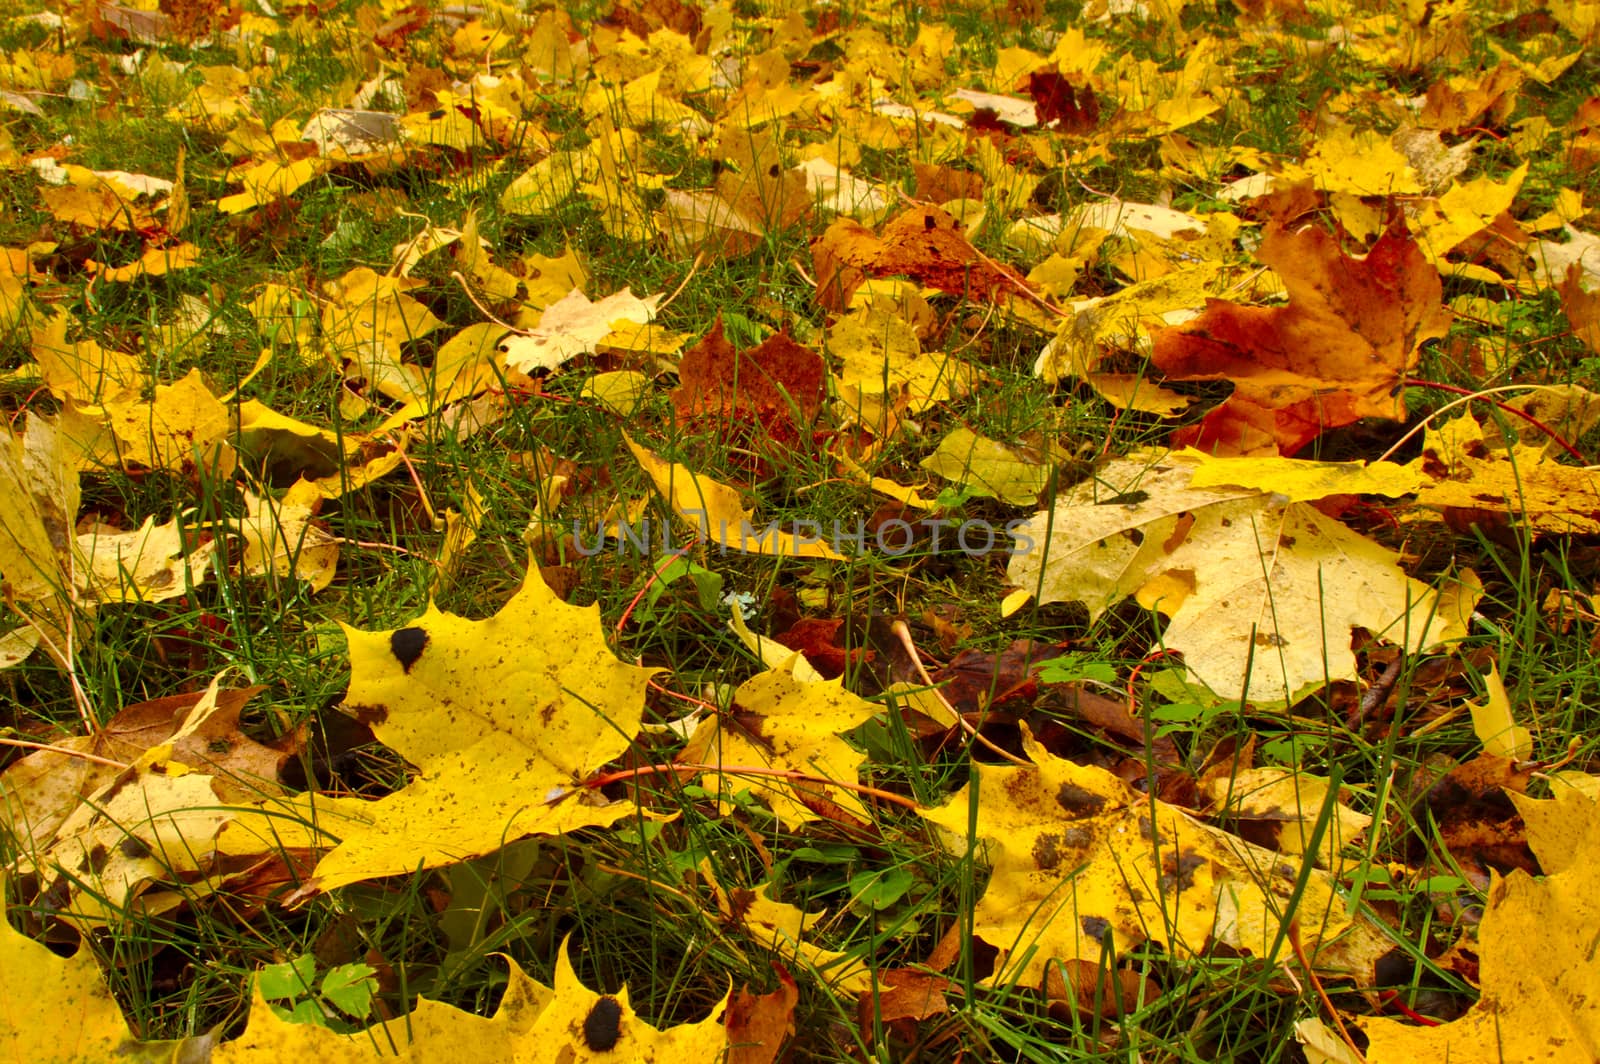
[(53, 1009), (714, 510), (281, 538), (1467, 476), (271, 181), (430, 1030), (1083, 863), (781, 722), (1335, 354), (1494, 724), (152, 563), (1535, 966), (572, 326), (759, 1025), (39, 478), (777, 387), (1255, 584), (989, 467), (494, 719), (924, 243)]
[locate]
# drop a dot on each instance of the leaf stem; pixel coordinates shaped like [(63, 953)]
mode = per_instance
[(1467, 395)]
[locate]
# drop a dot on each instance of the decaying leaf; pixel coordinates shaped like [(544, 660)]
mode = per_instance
[(1468, 475), (776, 387), (573, 326), (989, 467), (55, 1010), (534, 1024), (1083, 865), (781, 722), (714, 510)]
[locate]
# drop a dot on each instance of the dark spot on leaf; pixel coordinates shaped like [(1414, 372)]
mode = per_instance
[(1079, 802), (1270, 639), (434, 116), (218, 746), (1096, 927), (367, 715), (1045, 854), (133, 847), (602, 1028), (1076, 837), (407, 644), (1149, 832), (1178, 870), (97, 858)]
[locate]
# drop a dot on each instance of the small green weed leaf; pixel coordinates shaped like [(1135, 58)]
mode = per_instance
[(288, 979)]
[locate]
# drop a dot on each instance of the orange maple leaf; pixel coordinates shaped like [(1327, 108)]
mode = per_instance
[(924, 243), (1335, 354)]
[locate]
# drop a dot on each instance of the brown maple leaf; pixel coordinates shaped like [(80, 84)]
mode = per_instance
[(924, 243), (1337, 353), (1061, 104), (777, 387)]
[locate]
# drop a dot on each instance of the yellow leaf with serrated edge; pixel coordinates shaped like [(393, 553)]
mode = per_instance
[(271, 181), (989, 467), (782, 928), (54, 1009), (1523, 482), (507, 717), (425, 1033), (786, 723), (1494, 724), (1537, 967), (1302, 481)]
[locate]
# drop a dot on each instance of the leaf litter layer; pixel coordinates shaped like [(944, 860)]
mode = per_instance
[(832, 645)]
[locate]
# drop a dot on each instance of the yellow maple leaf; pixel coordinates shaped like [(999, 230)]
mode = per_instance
[(785, 723), (151, 563), (183, 428), (1495, 725), (155, 262), (780, 927), (533, 1024), (53, 1009), (507, 717), (572, 326), (39, 481), (271, 181), (1463, 473), (1537, 966), (989, 467), (280, 538), (82, 370)]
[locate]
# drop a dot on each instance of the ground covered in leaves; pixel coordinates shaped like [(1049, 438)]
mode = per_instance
[(764, 531)]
